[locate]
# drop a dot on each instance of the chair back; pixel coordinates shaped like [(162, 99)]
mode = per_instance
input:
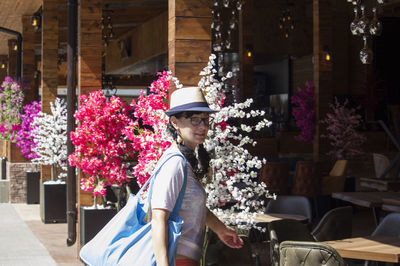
[(336, 224), (275, 175), (339, 168), (299, 205), (389, 226), (305, 181), (308, 253), (283, 230), (381, 163)]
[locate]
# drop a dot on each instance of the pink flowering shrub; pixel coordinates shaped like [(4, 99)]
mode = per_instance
[(11, 99), (101, 149), (341, 124), (24, 136), (304, 112), (147, 132)]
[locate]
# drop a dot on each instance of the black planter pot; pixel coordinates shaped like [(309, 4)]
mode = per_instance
[(32, 187), (53, 202), (92, 221)]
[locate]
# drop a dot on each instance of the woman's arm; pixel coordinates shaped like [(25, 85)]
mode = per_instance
[(160, 236), (225, 233)]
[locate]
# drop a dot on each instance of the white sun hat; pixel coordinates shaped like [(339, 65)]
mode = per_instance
[(188, 99)]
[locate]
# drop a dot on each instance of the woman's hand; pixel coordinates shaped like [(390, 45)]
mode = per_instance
[(230, 238), (225, 233)]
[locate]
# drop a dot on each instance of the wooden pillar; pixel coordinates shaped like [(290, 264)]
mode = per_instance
[(28, 59), (12, 59), (89, 67), (49, 69), (246, 40), (323, 77), (3, 71), (189, 38)]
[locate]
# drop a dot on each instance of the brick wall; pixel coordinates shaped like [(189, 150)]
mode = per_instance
[(16, 173)]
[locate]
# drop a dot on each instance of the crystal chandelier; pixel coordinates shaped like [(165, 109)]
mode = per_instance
[(365, 27)]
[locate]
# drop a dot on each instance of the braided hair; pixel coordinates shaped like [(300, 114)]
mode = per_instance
[(201, 163)]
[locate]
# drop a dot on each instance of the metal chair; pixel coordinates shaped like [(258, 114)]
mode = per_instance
[(283, 230), (275, 175), (389, 226), (290, 205), (308, 253), (336, 224)]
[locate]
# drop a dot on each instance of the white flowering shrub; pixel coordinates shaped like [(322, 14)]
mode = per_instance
[(50, 136), (235, 170)]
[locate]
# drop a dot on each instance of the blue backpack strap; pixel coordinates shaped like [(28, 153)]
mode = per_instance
[(178, 203)]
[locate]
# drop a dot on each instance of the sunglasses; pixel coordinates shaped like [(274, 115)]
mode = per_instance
[(196, 121)]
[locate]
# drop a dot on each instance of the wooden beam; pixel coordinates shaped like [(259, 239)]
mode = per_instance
[(189, 39), (323, 77), (49, 55), (89, 67)]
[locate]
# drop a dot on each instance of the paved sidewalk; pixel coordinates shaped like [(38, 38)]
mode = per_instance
[(26, 240)]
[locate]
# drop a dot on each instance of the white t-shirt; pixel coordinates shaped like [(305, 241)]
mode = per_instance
[(166, 188)]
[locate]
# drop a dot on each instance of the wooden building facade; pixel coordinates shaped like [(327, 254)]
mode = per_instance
[(152, 35)]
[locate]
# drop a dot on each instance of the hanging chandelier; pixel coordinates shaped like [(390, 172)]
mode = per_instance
[(286, 22), (365, 27)]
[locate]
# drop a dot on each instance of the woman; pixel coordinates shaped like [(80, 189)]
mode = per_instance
[(188, 124)]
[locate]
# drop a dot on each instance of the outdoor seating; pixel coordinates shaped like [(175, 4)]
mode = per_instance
[(336, 224), (280, 231), (275, 175), (290, 205), (308, 253), (334, 182)]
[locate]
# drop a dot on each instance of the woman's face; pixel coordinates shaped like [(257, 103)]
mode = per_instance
[(193, 129)]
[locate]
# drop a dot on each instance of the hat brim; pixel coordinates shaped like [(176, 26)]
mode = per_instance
[(193, 109)]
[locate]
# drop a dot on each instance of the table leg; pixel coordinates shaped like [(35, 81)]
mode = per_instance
[(376, 212)]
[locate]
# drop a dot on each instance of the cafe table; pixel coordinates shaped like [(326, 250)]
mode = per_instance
[(376, 248), (372, 200)]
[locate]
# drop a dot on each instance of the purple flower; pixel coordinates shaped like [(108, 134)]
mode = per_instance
[(24, 136), (304, 113)]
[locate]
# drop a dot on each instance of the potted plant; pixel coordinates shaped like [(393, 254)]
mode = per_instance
[(103, 154), (50, 138), (25, 141), (11, 100)]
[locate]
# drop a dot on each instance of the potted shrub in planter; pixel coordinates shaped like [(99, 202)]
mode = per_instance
[(25, 141), (50, 138), (102, 153)]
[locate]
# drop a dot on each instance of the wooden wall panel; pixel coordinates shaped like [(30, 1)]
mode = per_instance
[(246, 39), (28, 59), (189, 39), (147, 41), (323, 77), (3, 72), (190, 8), (12, 59)]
